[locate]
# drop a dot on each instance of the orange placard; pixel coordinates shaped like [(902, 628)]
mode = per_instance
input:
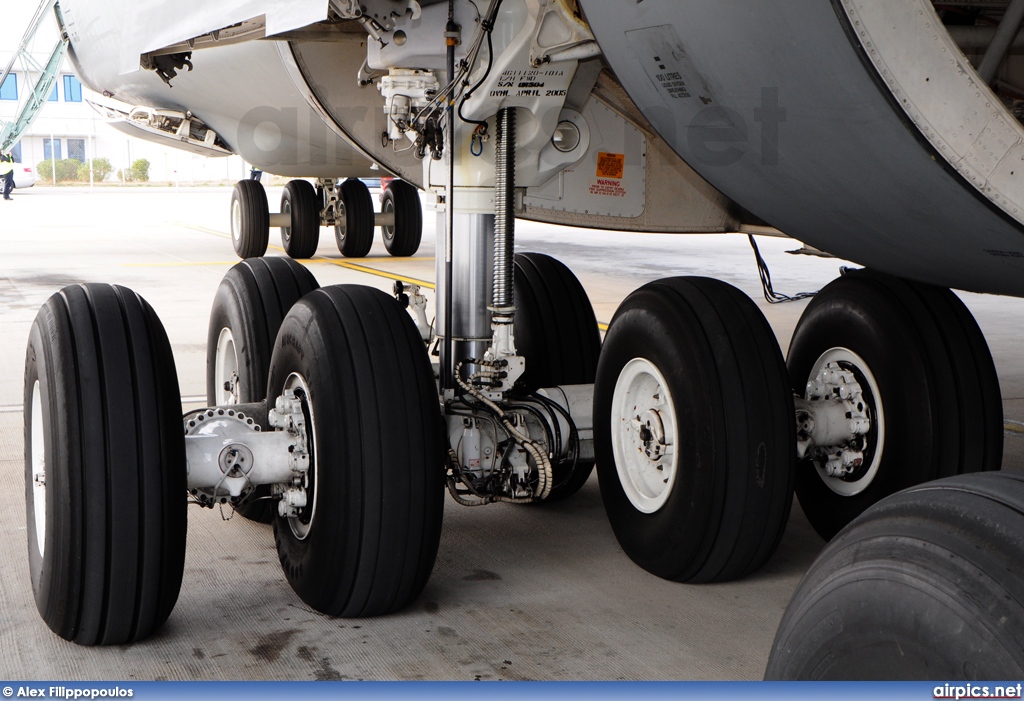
[(611, 165)]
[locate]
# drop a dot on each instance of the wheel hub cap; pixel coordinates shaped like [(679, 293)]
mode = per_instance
[(841, 422), (302, 523), (644, 434)]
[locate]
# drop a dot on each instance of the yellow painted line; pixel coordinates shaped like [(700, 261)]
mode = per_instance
[(1014, 428), (374, 271), (203, 229), (331, 261), (352, 266), (173, 265)]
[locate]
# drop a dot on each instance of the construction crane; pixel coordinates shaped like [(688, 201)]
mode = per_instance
[(39, 78)]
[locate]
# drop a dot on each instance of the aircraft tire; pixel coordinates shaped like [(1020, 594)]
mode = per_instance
[(367, 540), (250, 219), (355, 236), (103, 433), (696, 360), (934, 383), (920, 586), (248, 308), (556, 331), (303, 236), (402, 198)]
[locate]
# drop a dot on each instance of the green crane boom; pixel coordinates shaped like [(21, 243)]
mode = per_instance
[(35, 97)]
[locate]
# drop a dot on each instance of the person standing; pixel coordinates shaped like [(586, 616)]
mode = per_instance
[(7, 172)]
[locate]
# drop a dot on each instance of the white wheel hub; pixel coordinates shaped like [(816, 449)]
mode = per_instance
[(302, 523), (286, 231), (38, 469), (644, 432), (225, 378), (841, 422), (387, 207), (236, 220)]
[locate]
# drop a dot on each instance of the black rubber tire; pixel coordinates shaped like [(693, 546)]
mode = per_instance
[(556, 331), (923, 585), (939, 388), (722, 366), (355, 236), (378, 453), (303, 236), (115, 499), (252, 300), (402, 198), (250, 230)]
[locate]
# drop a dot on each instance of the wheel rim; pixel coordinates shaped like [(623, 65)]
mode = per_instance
[(644, 431), (852, 485), (302, 525), (339, 227), (387, 207), (236, 221), (226, 369), (38, 469), (286, 231)]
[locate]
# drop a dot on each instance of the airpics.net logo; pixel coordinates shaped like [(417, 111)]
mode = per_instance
[(977, 691)]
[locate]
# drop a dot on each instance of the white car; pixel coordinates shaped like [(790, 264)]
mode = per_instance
[(24, 176)]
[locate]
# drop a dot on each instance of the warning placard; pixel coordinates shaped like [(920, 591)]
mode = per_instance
[(608, 188), (611, 165)]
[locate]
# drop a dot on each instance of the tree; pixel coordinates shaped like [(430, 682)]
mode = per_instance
[(140, 171)]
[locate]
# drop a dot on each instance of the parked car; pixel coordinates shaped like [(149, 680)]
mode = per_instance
[(24, 176)]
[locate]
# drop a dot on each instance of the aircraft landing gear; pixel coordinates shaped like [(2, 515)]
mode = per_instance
[(402, 201), (253, 299), (903, 390), (353, 231), (363, 540), (250, 219), (923, 585), (896, 386), (556, 331), (693, 431), (347, 207), (104, 457), (300, 203)]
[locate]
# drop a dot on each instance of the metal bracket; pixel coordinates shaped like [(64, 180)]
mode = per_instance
[(228, 454)]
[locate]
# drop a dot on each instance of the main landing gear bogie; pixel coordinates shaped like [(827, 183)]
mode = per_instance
[(347, 206), (914, 585), (905, 366), (109, 459)]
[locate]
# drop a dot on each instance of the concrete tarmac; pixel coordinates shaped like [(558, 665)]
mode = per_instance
[(517, 593)]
